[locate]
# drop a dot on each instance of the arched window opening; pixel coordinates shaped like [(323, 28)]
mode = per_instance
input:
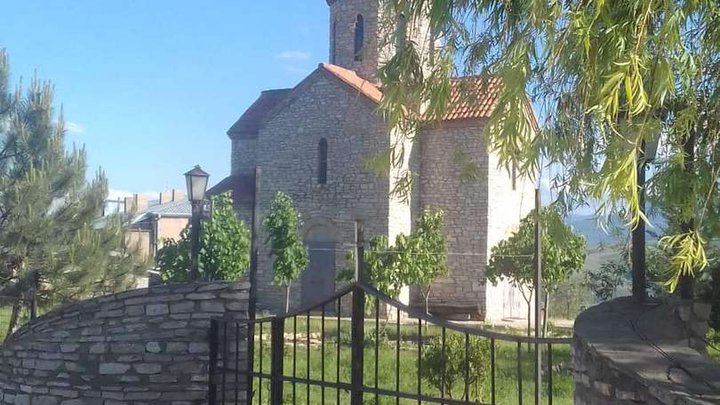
[(359, 37), (323, 161)]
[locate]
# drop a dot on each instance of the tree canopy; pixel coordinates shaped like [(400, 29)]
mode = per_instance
[(563, 252), (290, 255), (608, 78), (224, 252), (54, 245), (416, 259)]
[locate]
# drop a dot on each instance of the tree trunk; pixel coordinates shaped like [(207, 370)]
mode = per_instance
[(14, 316), (546, 312), (426, 296), (529, 322), (287, 298)]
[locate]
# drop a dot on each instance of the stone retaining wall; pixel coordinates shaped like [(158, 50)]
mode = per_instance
[(136, 347), (625, 353)]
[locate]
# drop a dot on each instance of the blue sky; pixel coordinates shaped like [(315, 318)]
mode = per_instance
[(150, 87)]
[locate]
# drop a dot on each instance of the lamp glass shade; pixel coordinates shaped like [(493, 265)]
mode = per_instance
[(197, 181)]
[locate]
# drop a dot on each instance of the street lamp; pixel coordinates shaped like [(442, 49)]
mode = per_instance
[(197, 181), (646, 155)]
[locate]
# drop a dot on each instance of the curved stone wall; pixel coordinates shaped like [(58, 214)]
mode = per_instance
[(626, 353), (136, 347)]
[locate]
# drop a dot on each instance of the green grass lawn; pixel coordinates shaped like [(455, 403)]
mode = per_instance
[(321, 362)]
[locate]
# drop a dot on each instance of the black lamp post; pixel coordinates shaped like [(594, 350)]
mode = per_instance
[(197, 181), (639, 272)]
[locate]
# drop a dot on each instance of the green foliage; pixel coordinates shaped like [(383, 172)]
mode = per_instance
[(224, 248), (709, 291), (51, 233), (610, 75), (172, 260), (563, 252), (290, 254), (446, 366), (605, 280), (224, 242), (415, 259)]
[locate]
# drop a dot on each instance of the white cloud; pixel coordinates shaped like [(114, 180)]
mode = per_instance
[(114, 194), (293, 56), (74, 128), (295, 71)]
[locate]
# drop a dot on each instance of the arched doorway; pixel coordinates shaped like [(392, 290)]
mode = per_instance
[(318, 281)]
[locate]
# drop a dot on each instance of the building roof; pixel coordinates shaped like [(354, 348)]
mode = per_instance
[(471, 97), (352, 79), (249, 123), (177, 209), (242, 187)]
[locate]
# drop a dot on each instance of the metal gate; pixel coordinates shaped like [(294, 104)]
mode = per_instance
[(383, 352)]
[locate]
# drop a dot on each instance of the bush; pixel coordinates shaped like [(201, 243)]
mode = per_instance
[(450, 364), (709, 291)]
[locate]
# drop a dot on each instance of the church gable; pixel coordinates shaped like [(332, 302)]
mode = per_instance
[(343, 81)]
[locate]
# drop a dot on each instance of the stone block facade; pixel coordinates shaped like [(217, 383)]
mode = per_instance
[(137, 347), (332, 120), (380, 36), (287, 149)]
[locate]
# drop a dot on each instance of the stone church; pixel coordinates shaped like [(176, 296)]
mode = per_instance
[(312, 141)]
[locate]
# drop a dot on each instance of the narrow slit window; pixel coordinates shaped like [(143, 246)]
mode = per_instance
[(333, 48), (359, 37), (401, 33), (323, 161)]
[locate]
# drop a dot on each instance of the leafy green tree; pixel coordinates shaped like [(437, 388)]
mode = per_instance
[(224, 247), (54, 246), (605, 280), (609, 77), (290, 254), (563, 252), (422, 257), (414, 260)]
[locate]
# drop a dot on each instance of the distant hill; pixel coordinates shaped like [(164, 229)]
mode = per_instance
[(616, 233)]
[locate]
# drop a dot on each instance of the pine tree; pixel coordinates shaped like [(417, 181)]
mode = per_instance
[(53, 246)]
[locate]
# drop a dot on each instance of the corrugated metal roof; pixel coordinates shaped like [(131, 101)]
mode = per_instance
[(180, 209)]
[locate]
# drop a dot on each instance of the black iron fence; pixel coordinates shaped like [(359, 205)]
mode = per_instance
[(384, 353)]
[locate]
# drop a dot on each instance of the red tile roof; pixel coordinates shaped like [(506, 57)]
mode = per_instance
[(472, 97), (351, 78), (251, 120)]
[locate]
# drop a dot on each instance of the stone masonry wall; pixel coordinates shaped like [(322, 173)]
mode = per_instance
[(378, 47), (453, 178), (322, 107), (242, 159), (625, 353), (137, 347)]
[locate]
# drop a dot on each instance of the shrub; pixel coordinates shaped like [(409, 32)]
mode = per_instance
[(447, 366)]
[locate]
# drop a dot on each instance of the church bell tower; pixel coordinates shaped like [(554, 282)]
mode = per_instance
[(363, 36)]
